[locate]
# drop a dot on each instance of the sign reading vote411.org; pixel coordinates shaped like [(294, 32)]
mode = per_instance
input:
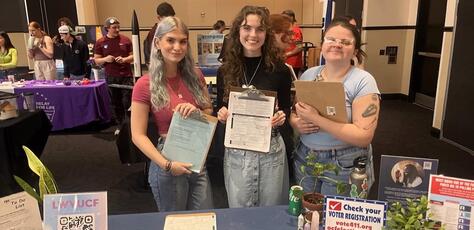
[(342, 213)]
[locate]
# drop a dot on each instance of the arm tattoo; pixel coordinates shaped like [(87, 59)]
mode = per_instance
[(370, 111), (371, 124)]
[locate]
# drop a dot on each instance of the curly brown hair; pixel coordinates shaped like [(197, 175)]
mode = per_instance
[(233, 66)]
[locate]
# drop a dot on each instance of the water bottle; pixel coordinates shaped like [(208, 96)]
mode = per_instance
[(358, 179)]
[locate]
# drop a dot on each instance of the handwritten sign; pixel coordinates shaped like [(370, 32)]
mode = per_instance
[(19, 211), (351, 213), (75, 211)]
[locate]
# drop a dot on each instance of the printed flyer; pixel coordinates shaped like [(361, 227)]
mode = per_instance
[(19, 211), (209, 48), (351, 213), (404, 177), (73, 211), (451, 202)]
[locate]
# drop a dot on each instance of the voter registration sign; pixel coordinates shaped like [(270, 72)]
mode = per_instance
[(350, 213)]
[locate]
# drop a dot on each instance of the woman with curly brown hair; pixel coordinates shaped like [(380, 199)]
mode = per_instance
[(252, 60)]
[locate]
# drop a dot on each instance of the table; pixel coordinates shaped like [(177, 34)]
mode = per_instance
[(261, 218), (210, 73), (69, 106), (30, 129)]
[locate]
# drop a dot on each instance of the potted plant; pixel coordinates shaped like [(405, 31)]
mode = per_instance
[(411, 216), (46, 184), (313, 201)]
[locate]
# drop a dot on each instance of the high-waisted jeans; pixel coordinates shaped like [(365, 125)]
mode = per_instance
[(342, 158), (176, 193), (255, 178)]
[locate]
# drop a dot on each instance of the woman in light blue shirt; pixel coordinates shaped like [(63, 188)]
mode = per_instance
[(329, 141)]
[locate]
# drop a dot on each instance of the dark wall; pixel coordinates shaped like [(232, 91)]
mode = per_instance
[(47, 12), (13, 16), (458, 125)]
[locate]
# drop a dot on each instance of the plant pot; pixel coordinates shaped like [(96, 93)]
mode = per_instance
[(313, 202)]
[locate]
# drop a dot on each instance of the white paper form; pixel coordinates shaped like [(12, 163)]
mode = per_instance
[(248, 125), (19, 211), (196, 221)]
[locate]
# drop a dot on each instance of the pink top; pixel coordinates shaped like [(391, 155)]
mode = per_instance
[(141, 93)]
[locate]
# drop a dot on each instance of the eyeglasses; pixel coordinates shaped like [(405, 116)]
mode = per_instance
[(344, 42)]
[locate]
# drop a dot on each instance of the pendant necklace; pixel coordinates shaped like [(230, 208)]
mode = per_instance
[(175, 85), (248, 83)]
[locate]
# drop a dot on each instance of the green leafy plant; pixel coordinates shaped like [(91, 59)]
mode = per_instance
[(411, 216), (316, 170), (46, 184)]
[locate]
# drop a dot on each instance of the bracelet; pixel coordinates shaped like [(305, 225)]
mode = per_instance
[(168, 166)]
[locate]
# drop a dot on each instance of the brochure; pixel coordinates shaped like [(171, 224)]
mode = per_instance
[(19, 211), (451, 202)]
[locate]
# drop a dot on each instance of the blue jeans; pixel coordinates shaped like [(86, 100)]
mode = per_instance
[(342, 158), (257, 179), (176, 193)]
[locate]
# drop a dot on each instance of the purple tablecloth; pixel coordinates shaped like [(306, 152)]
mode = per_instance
[(69, 106)]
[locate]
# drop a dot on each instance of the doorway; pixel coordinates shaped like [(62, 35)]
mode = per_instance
[(427, 52), (353, 8)]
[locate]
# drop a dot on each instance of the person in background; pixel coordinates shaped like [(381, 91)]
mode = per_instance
[(75, 55), (163, 10), (57, 41), (218, 28), (172, 84), (294, 53), (254, 178), (8, 55), (64, 21), (281, 27), (330, 141), (114, 51), (40, 49)]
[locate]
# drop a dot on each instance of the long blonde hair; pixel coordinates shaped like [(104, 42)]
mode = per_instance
[(158, 81)]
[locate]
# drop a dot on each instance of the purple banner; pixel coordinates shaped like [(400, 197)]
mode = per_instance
[(69, 106)]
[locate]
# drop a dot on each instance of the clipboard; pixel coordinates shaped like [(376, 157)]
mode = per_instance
[(328, 98), (197, 221), (248, 125), (188, 140)]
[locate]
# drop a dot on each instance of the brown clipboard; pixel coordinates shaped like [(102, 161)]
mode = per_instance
[(327, 97)]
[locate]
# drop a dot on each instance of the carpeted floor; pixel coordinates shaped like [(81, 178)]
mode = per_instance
[(88, 161)]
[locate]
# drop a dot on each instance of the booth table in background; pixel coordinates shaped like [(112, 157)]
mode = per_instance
[(69, 106), (210, 73), (261, 218), (30, 129)]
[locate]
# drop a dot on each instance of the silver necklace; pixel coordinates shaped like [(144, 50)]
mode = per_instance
[(248, 84)]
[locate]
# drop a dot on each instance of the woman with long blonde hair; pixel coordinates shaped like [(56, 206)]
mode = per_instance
[(172, 84)]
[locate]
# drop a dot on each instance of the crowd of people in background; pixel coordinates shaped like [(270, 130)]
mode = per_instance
[(259, 51)]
